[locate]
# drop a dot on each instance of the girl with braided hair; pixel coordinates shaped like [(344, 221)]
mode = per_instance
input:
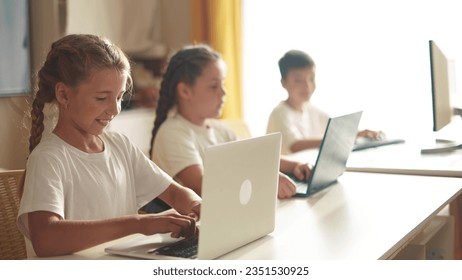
[(84, 185), (193, 85)]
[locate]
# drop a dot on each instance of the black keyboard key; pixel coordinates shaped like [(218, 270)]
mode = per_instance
[(186, 248)]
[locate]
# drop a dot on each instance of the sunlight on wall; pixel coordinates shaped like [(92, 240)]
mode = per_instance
[(370, 55)]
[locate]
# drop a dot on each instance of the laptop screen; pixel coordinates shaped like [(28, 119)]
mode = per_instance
[(335, 148)]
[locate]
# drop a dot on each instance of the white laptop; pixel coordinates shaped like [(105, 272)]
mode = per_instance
[(239, 194)]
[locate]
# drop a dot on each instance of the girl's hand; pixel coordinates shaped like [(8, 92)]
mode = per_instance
[(179, 225), (195, 211), (302, 171), (286, 187)]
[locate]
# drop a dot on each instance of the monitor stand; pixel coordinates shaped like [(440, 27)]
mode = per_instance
[(441, 146), (457, 111), (447, 139)]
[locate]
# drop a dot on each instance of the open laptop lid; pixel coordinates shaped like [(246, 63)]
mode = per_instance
[(239, 194), (335, 148)]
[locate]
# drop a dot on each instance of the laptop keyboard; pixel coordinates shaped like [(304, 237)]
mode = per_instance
[(363, 143), (301, 186), (186, 248)]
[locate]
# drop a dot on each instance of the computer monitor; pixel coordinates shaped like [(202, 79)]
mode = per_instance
[(442, 108), (441, 94)]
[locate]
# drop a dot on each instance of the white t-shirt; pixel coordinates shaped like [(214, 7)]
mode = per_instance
[(179, 143), (80, 186), (294, 126)]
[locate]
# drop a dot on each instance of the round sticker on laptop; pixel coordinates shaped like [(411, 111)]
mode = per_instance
[(246, 192)]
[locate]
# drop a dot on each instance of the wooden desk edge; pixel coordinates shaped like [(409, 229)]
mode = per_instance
[(455, 209)]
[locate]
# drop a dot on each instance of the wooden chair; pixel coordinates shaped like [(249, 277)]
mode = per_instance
[(12, 244)]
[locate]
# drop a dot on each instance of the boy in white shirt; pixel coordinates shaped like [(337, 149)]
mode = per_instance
[(301, 123)]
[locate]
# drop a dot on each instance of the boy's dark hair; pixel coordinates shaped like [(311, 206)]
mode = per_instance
[(294, 59)]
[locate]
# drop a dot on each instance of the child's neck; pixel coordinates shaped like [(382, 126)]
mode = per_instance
[(193, 119), (297, 106), (83, 141)]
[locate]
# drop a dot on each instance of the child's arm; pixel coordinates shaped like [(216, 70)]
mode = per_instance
[(191, 177), (183, 199), (305, 144), (53, 236)]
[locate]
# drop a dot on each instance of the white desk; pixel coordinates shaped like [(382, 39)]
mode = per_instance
[(406, 159), (364, 216)]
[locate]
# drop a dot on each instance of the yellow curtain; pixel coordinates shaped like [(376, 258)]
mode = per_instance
[(218, 24)]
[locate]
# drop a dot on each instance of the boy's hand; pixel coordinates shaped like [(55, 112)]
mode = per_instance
[(371, 134)]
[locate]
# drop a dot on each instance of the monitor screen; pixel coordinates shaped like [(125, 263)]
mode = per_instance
[(442, 109), (14, 48)]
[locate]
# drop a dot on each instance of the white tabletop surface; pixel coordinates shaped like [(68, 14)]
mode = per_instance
[(364, 216), (406, 158)]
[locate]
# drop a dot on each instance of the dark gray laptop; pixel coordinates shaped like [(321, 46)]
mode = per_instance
[(335, 148)]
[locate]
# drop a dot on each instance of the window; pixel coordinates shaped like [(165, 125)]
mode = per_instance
[(370, 55)]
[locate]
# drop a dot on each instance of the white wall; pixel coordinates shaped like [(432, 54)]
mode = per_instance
[(176, 18), (370, 55)]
